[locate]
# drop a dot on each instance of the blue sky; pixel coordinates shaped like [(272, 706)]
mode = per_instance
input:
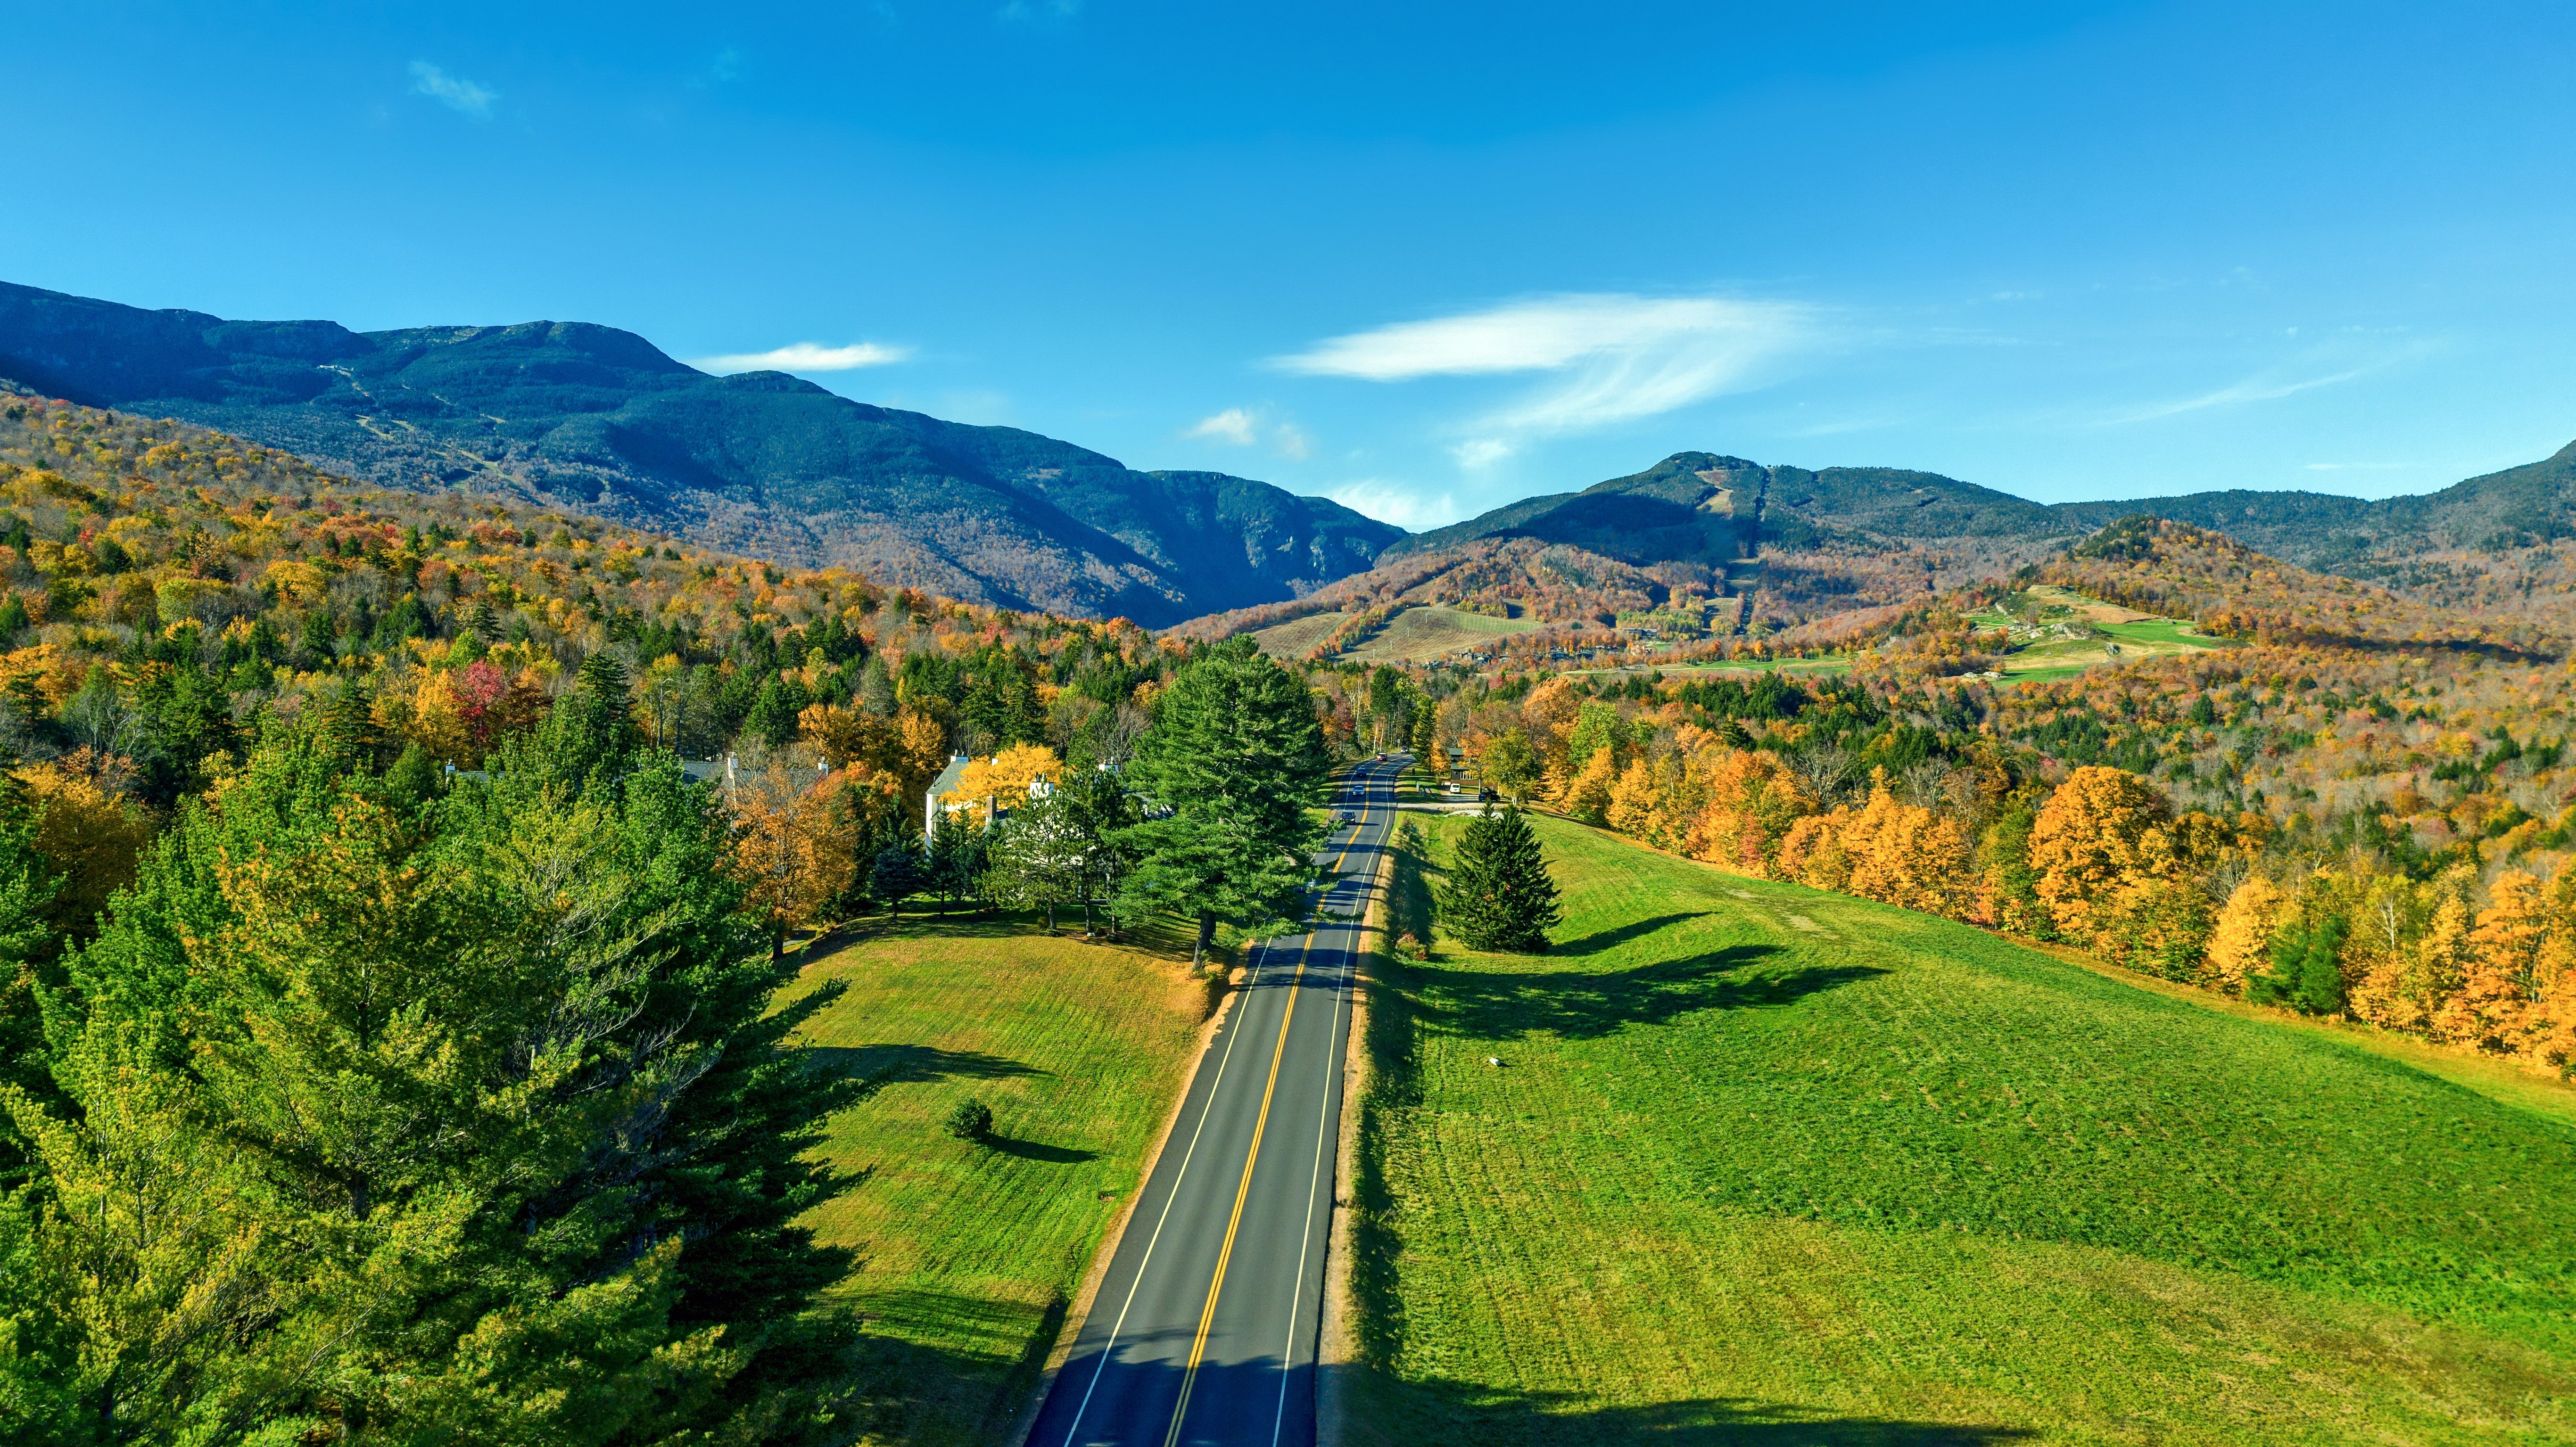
[(1424, 260)]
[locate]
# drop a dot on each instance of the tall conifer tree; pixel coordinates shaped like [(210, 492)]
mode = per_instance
[(1237, 758), (1499, 895)]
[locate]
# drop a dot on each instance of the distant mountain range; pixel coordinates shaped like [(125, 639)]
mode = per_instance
[(593, 419), (1702, 508), (598, 420)]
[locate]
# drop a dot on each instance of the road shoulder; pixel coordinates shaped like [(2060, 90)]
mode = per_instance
[(1337, 1347)]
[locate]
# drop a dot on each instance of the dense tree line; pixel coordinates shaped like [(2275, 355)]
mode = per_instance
[(2380, 835)]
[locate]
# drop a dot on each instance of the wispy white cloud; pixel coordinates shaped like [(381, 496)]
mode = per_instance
[(1234, 425), (2261, 388), (805, 357), (452, 91), (1623, 356), (1291, 441), (1405, 506), (1481, 451)]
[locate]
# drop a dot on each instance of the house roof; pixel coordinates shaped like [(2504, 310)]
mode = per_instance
[(948, 777)]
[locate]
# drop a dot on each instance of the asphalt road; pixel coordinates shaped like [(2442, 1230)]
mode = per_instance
[(1205, 1327)]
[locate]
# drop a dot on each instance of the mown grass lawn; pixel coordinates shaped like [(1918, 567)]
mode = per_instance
[(1773, 1166), (968, 1254)]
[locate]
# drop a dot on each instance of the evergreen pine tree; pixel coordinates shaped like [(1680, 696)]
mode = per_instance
[(1233, 762), (1499, 895), (2319, 987), (896, 874)]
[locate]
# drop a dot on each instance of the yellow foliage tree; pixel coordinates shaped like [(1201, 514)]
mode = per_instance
[(2503, 967), (2241, 946), (797, 836), (1007, 776), (1753, 799), (2093, 837), (1636, 802), (1586, 796), (89, 837)]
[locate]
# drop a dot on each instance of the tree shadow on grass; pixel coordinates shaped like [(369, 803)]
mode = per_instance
[(875, 1067), (1600, 941), (976, 1386), (1587, 1004), (1034, 1151), (1388, 1411)]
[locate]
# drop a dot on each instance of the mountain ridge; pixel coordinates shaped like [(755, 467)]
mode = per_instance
[(578, 414)]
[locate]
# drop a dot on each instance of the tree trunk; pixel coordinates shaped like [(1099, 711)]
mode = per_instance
[(1207, 937)]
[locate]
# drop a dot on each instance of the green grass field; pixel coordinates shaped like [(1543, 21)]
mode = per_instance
[(1414, 635), (1771, 1166), (1292, 638), (969, 1254), (1421, 634)]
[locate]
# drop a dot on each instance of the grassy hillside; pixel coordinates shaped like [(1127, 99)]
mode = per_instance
[(1419, 635), (1763, 1164), (969, 1254), (1295, 637)]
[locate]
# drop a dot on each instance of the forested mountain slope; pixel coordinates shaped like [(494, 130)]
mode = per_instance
[(1758, 550), (568, 414)]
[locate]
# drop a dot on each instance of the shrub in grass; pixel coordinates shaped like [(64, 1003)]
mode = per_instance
[(972, 1120)]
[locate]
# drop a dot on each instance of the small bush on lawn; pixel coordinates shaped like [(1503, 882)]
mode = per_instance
[(972, 1120)]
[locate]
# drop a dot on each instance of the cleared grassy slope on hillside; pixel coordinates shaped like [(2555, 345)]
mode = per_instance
[(970, 1253), (1771, 1165), (1419, 635)]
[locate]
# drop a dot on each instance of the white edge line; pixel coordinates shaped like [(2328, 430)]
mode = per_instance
[(1323, 1115), (1109, 1348)]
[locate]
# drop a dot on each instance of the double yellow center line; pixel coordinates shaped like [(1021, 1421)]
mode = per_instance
[(1243, 1191)]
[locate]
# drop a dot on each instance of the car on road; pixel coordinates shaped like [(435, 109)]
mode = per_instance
[(1350, 818)]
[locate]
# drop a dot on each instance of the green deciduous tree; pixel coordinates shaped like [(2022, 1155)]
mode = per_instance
[(1498, 895), (1236, 757)]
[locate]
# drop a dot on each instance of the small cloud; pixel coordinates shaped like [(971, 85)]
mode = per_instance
[(454, 92), (1481, 452), (2013, 296), (1393, 502), (1038, 12), (1624, 357), (805, 357), (1234, 425), (1245, 427)]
